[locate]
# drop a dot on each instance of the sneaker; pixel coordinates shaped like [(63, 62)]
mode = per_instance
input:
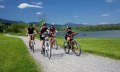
[(42, 52)]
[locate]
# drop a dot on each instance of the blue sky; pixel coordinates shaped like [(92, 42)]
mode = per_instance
[(62, 11)]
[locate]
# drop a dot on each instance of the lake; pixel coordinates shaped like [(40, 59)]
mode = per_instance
[(98, 34)]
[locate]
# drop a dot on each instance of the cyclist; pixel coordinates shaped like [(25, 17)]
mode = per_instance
[(31, 31), (69, 34), (43, 30), (52, 32)]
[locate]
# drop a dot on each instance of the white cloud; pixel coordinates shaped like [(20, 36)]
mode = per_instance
[(2, 6), (110, 1), (76, 16), (26, 5), (39, 13), (39, 3), (36, 3), (105, 15)]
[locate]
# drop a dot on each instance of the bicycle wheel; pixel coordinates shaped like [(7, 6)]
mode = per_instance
[(76, 49), (66, 47), (48, 50), (56, 45), (32, 46)]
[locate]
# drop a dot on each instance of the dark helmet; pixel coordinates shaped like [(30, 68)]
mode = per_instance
[(43, 24), (68, 27), (51, 26)]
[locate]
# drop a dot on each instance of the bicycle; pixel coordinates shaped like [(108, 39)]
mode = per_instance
[(47, 46), (53, 42), (31, 44), (72, 45)]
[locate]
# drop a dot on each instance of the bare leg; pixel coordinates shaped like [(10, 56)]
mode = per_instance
[(42, 46)]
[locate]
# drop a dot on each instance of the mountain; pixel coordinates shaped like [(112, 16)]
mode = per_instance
[(72, 24), (34, 23), (37, 23), (9, 22)]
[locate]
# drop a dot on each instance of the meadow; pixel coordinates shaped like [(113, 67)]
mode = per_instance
[(14, 56), (108, 47)]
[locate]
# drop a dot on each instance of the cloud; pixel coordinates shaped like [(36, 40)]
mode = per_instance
[(76, 16), (39, 13), (2, 6), (110, 1), (26, 5), (39, 3), (105, 15)]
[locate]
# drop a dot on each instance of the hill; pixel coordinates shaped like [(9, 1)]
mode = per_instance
[(9, 22)]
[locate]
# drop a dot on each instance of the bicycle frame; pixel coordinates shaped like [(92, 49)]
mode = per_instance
[(47, 47), (31, 41), (53, 42)]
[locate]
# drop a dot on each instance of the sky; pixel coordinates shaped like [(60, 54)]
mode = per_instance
[(62, 11)]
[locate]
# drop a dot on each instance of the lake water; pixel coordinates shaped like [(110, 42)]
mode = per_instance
[(98, 34)]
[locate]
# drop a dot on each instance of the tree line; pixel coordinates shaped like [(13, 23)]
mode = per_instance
[(19, 28)]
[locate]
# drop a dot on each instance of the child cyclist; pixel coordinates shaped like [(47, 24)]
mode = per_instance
[(69, 34)]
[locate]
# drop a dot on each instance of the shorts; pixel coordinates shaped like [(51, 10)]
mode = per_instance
[(29, 36)]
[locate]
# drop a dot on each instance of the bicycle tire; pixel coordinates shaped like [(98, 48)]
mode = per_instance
[(66, 47), (48, 51), (56, 45), (32, 46), (77, 49)]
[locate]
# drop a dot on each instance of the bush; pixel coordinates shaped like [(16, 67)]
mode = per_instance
[(16, 28), (3, 27)]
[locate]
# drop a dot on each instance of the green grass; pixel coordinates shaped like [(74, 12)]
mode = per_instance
[(109, 47), (14, 56)]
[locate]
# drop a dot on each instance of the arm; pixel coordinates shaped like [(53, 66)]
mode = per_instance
[(27, 32), (35, 32), (56, 31), (74, 33)]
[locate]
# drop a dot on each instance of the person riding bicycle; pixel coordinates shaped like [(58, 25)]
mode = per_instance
[(31, 31), (69, 34), (52, 32), (43, 30)]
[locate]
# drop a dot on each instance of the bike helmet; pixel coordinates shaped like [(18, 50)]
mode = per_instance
[(68, 27), (43, 24)]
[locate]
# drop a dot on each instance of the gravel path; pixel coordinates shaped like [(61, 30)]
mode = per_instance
[(61, 62)]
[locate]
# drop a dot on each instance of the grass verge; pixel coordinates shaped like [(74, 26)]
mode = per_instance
[(109, 47), (14, 56)]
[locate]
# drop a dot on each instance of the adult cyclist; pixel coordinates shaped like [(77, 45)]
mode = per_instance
[(52, 32), (42, 33), (31, 33)]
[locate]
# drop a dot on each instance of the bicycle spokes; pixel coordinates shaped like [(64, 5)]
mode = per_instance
[(74, 47)]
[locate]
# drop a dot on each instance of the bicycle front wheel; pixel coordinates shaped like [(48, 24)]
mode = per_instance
[(56, 45), (32, 45), (76, 49), (66, 47), (48, 50)]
